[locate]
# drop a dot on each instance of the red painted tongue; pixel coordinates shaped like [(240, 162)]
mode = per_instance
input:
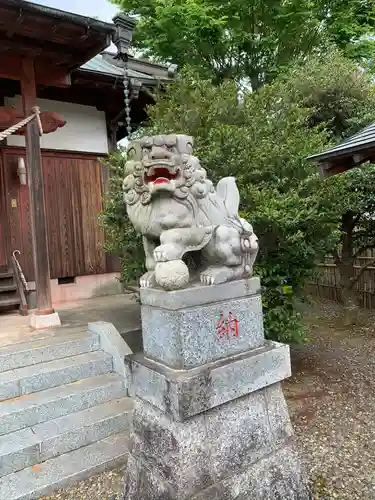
[(161, 180)]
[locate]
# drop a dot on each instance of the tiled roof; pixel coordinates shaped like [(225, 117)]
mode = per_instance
[(100, 65), (358, 142)]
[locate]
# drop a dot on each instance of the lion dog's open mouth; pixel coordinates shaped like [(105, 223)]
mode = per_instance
[(160, 175)]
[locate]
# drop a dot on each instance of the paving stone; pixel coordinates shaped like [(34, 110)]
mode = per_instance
[(9, 385), (75, 341), (55, 373), (44, 478), (82, 428), (35, 408), (18, 450)]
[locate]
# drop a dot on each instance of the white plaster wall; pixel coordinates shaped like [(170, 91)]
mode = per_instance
[(84, 131)]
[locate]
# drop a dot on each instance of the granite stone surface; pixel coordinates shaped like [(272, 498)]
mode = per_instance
[(9, 385), (83, 428), (178, 452), (184, 393), (55, 373), (143, 482), (278, 415), (18, 451), (197, 294), (34, 482), (190, 337), (203, 450), (226, 453), (112, 343), (53, 403), (210, 419), (47, 349), (278, 476)]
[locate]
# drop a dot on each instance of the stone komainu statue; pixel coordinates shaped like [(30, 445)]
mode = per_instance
[(178, 211)]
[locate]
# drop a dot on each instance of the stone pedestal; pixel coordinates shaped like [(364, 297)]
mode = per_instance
[(211, 421), (41, 321)]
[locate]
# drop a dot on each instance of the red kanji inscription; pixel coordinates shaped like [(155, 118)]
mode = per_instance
[(227, 327)]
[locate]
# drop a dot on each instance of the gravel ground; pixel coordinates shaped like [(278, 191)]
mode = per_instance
[(104, 486), (331, 399)]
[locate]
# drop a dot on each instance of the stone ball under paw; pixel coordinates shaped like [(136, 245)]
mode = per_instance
[(172, 275)]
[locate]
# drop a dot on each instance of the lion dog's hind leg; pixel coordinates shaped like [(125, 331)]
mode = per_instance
[(225, 255)]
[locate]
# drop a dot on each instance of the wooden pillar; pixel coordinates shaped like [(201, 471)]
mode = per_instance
[(36, 193), (112, 137)]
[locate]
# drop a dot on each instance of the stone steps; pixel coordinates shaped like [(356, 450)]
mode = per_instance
[(62, 471), (36, 444), (64, 414), (26, 411), (42, 376), (44, 349)]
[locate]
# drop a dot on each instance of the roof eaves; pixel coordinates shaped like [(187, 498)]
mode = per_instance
[(61, 15), (342, 153), (362, 140), (145, 80)]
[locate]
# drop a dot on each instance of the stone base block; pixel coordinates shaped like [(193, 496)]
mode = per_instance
[(185, 393), (240, 450), (279, 476), (39, 322), (200, 324)]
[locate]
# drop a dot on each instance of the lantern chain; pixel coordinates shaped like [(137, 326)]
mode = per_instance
[(127, 96)]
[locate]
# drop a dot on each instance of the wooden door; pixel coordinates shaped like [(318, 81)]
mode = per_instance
[(73, 197)]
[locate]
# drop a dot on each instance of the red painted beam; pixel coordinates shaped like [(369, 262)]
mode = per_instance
[(11, 116)]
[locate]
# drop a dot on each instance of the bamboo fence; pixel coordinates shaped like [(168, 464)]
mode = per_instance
[(327, 284)]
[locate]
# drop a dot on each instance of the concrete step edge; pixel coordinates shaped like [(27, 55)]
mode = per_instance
[(59, 331), (62, 471), (47, 349), (26, 411), (27, 447), (42, 376)]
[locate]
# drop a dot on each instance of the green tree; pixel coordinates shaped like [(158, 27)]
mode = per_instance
[(263, 140), (250, 39), (350, 198), (350, 26), (121, 238)]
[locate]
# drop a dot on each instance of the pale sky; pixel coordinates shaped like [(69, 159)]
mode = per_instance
[(100, 9)]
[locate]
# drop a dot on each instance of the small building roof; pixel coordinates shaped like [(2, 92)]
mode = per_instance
[(356, 143), (148, 73), (351, 152)]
